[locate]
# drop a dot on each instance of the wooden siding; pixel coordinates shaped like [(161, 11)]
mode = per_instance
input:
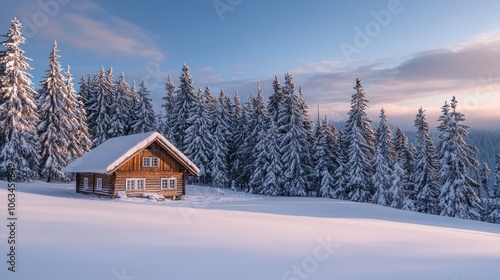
[(107, 184), (133, 169), (165, 164), (153, 183)]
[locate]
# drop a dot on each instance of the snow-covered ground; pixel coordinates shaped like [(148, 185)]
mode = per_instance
[(220, 234)]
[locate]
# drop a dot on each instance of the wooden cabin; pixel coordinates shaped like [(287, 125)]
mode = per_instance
[(134, 164)]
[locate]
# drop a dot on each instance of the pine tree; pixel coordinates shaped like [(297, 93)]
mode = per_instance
[(238, 126), (169, 103), (304, 108), (18, 110), (56, 128), (360, 144), (220, 149), (382, 162), (198, 139), (400, 197), (325, 160), (146, 120), (496, 189), (184, 100), (122, 103), (275, 100), (295, 147), (100, 104), (80, 139), (404, 155), (485, 173), (256, 140), (272, 183), (458, 197), (259, 152), (424, 177), (340, 175)]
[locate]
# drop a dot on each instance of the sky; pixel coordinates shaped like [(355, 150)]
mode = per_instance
[(409, 54)]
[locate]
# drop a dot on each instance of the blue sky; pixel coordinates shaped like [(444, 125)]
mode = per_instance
[(408, 53)]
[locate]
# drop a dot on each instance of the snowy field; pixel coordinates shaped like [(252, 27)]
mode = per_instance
[(220, 234)]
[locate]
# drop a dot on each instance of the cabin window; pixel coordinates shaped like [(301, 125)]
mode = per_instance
[(98, 185), (168, 183), (150, 162), (85, 183), (135, 184)]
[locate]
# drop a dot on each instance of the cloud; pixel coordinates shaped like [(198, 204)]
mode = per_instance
[(468, 70), (87, 26)]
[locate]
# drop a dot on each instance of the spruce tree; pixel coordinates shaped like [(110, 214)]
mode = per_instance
[(325, 160), (296, 150), (122, 103), (100, 107), (360, 145), (275, 100), (218, 164), (80, 139), (185, 101), (168, 104), (238, 125), (340, 175), (18, 110), (199, 140), (404, 155), (382, 162), (146, 120), (458, 197), (56, 128), (484, 175), (496, 188), (272, 183), (424, 177)]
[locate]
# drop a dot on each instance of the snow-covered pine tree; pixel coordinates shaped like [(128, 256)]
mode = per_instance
[(99, 110), (57, 122), (483, 177), (185, 102), (259, 152), (304, 108), (495, 194), (404, 155), (325, 160), (382, 162), (80, 141), (226, 108), (424, 171), (218, 165), (18, 110), (258, 124), (146, 120), (273, 182), (360, 145), (442, 129), (168, 104), (275, 100), (122, 103), (340, 175), (398, 193), (458, 197), (295, 147), (238, 126), (198, 139)]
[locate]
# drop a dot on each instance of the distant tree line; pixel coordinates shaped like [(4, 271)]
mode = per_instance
[(271, 147)]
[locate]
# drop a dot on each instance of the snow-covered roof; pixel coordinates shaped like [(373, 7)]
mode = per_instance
[(112, 153)]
